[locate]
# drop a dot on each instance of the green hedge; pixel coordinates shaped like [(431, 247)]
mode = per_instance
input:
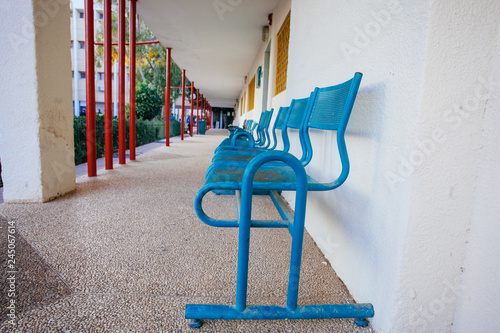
[(146, 131)]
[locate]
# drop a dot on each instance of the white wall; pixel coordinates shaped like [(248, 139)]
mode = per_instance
[(279, 15), (36, 127), (411, 229), (361, 226), (479, 294), (396, 231)]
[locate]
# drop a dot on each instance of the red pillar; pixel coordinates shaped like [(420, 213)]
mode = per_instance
[(132, 40), (90, 88), (108, 88), (192, 103), (183, 102), (121, 82), (167, 97), (198, 111)]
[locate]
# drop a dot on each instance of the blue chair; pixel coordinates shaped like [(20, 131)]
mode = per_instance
[(270, 172), (289, 117)]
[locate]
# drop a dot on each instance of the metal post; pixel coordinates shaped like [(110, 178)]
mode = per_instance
[(198, 110), (183, 102), (167, 97), (132, 49), (90, 86), (192, 103), (121, 82), (210, 115), (108, 88)]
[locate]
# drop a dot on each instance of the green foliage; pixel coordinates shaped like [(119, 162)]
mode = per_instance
[(146, 132), (151, 58), (148, 103)]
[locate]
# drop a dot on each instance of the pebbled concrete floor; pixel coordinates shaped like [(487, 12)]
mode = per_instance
[(126, 253)]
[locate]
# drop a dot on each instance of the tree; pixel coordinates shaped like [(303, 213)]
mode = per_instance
[(151, 58), (148, 102)]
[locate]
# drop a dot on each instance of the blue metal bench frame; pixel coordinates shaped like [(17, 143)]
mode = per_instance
[(245, 138), (334, 103)]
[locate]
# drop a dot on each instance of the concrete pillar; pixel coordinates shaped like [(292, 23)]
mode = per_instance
[(36, 118)]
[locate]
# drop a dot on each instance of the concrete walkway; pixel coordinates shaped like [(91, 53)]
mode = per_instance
[(126, 253)]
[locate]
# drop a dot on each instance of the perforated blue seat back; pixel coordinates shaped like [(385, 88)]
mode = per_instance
[(280, 122), (331, 103), (297, 112)]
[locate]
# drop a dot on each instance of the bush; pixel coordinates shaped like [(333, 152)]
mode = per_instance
[(146, 131), (148, 102)]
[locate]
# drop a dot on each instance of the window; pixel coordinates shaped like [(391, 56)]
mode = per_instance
[(251, 94), (101, 16), (81, 15), (81, 45), (282, 56), (82, 75)]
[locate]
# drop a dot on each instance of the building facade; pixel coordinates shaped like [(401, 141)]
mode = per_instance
[(77, 22)]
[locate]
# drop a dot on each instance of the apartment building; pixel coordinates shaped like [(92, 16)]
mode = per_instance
[(78, 63)]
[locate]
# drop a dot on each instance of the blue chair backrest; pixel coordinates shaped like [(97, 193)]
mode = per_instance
[(265, 129), (330, 109), (279, 123), (296, 119)]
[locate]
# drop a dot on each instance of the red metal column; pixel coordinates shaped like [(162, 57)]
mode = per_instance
[(202, 107), (132, 47), (90, 87), (198, 111), (167, 97), (192, 103), (183, 102), (121, 82), (108, 88)]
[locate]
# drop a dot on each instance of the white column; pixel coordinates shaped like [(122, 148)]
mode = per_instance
[(36, 118), (75, 62), (115, 89)]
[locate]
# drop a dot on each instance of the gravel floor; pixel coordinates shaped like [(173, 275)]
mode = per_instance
[(125, 253)]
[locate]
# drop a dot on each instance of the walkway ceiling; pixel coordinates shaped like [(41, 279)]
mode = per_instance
[(216, 41)]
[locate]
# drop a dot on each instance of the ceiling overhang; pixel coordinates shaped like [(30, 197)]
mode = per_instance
[(215, 41)]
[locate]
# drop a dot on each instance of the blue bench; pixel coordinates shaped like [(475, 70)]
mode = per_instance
[(268, 173), (244, 138)]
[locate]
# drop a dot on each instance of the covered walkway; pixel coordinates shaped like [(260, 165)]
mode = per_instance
[(126, 252)]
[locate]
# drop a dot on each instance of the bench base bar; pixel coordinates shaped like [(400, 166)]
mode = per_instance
[(267, 312)]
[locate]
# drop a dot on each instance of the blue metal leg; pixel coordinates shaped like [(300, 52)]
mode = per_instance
[(195, 323), (361, 322), (262, 312), (296, 253), (243, 250)]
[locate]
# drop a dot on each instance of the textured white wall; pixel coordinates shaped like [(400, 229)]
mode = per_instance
[(36, 114), (421, 200), (396, 230), (459, 58), (19, 144), (479, 295), (279, 15), (361, 226)]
